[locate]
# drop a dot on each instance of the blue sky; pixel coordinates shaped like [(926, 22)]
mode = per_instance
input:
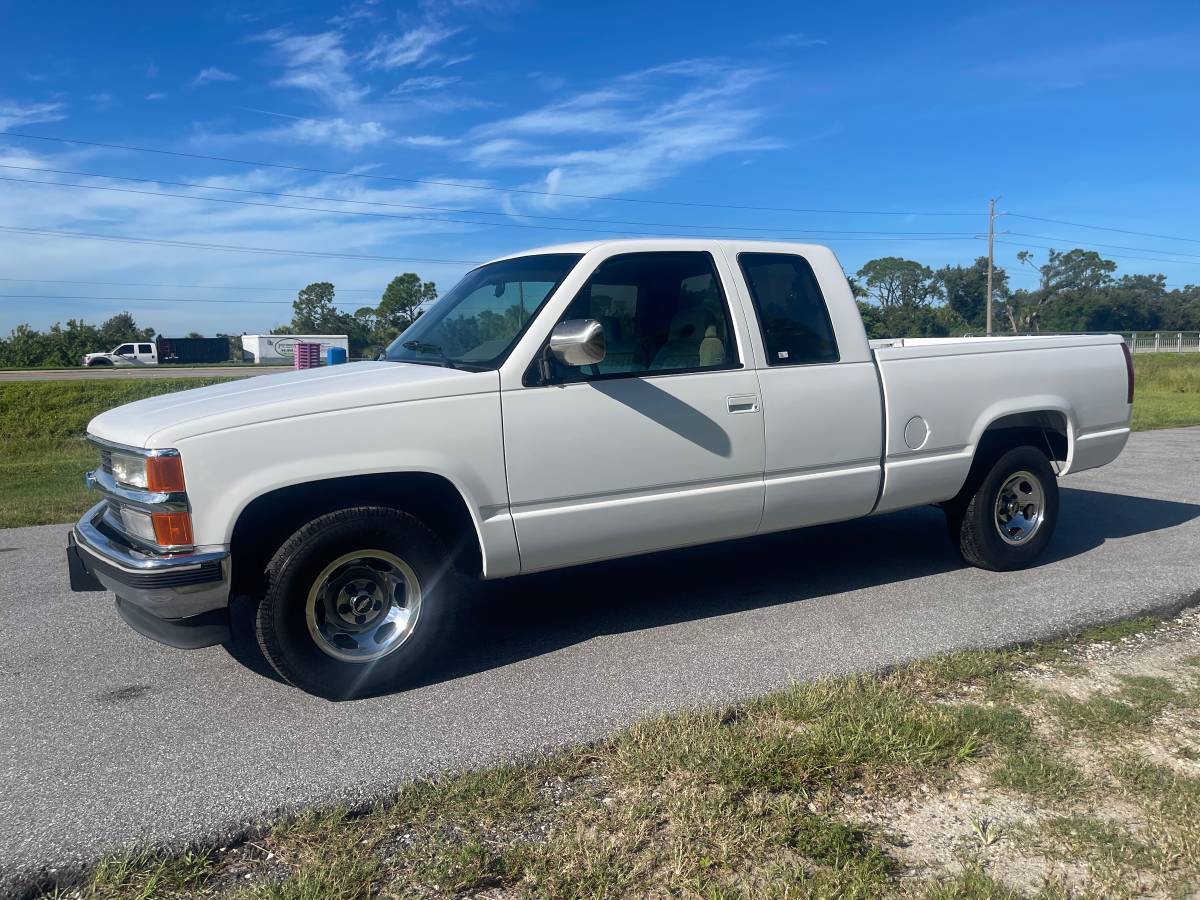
[(1080, 112)]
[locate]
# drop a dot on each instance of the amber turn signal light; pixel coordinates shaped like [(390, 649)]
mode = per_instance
[(165, 474), (172, 529)]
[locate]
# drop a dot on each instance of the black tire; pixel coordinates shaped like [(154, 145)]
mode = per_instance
[(973, 517), (282, 620)]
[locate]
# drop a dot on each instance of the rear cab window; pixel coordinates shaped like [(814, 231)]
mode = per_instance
[(791, 310)]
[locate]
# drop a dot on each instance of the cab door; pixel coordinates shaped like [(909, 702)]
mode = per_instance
[(659, 445), (820, 388)]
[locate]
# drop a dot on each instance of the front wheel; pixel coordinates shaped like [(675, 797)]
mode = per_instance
[(1009, 519), (357, 601)]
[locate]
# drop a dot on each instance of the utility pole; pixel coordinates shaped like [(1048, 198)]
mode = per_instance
[(991, 260)]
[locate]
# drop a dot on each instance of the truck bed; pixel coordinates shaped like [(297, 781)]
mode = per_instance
[(941, 393)]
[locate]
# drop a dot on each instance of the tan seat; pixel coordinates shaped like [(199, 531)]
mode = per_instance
[(692, 344)]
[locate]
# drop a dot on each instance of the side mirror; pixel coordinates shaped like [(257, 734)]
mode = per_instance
[(578, 342), (381, 356)]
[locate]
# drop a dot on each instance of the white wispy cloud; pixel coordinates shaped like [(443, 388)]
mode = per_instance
[(14, 114), (417, 47), (211, 74), (425, 83), (1073, 65), (318, 63), (796, 39), (337, 132), (430, 140), (103, 100), (71, 209), (156, 95), (631, 133)]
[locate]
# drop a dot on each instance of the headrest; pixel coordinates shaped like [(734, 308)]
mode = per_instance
[(692, 324)]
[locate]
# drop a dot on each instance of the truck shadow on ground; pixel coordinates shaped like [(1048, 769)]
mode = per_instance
[(520, 618)]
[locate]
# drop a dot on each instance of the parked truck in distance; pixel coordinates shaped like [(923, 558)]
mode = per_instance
[(164, 350), (567, 405)]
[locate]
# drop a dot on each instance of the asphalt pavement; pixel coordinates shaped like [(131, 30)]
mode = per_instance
[(118, 373), (108, 740)]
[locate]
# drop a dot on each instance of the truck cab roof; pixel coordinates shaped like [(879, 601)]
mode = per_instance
[(634, 245)]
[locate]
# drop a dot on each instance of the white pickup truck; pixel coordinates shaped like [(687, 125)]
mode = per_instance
[(565, 405), (135, 353)]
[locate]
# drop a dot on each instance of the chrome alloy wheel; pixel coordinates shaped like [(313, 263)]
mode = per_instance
[(1019, 508), (363, 605)]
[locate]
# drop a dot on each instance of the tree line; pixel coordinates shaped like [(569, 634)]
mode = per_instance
[(1076, 290)]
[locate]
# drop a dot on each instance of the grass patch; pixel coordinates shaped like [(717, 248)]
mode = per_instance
[(1041, 772), (1097, 840), (42, 452), (1112, 632), (974, 884), (809, 737), (1138, 702), (145, 875), (1167, 391)]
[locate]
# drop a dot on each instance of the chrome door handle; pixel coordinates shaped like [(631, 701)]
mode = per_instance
[(743, 403)]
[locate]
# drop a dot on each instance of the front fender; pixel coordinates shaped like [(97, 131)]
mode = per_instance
[(457, 438)]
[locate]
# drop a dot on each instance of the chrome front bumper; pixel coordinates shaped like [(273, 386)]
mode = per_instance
[(178, 599)]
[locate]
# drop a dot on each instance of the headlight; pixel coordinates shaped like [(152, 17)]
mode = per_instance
[(163, 474), (129, 470)]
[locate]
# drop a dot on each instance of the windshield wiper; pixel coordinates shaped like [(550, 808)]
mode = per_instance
[(425, 347)]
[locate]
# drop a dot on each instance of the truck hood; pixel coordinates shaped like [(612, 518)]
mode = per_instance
[(163, 421)]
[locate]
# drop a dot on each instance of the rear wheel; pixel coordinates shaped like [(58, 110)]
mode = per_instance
[(357, 600), (1009, 518)]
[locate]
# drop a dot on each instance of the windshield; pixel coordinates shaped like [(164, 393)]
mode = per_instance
[(478, 321)]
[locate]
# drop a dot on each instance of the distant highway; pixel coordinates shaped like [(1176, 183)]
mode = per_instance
[(98, 373)]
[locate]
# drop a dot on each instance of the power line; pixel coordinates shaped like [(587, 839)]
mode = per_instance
[(1078, 243), (1156, 259), (136, 299), (207, 287), (465, 186), (1166, 237), (381, 203), (120, 239)]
